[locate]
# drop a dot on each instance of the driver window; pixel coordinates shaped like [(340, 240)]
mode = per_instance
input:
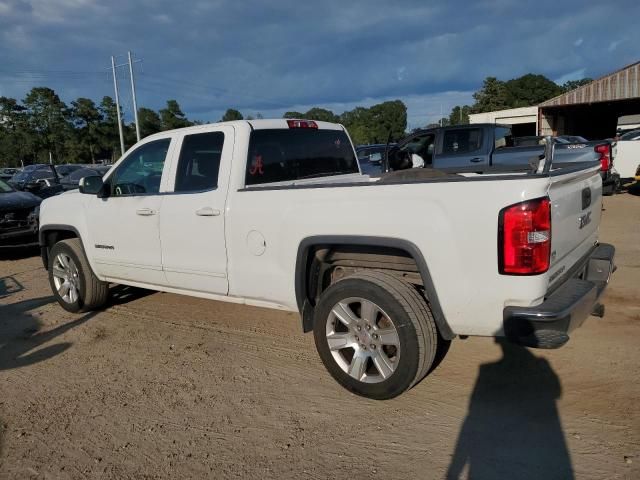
[(140, 173)]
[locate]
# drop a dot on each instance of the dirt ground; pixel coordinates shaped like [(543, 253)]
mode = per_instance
[(164, 386)]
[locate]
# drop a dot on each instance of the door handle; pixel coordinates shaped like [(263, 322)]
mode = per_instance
[(145, 212), (476, 160), (207, 212)]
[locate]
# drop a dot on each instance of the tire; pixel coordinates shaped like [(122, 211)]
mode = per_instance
[(90, 292), (344, 324)]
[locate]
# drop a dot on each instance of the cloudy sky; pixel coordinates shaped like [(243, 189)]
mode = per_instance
[(278, 55)]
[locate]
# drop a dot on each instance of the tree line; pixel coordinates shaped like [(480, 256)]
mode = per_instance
[(42, 126), (365, 125), (525, 91)]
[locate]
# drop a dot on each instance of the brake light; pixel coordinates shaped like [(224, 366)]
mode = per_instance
[(302, 124), (604, 151), (524, 238)]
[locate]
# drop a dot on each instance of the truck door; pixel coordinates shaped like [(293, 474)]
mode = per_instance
[(192, 221), (462, 148), (123, 227)]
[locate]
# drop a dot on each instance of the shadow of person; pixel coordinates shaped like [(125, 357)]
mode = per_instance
[(513, 429), (20, 336)]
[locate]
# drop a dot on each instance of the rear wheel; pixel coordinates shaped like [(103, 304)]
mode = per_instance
[(375, 334), (72, 281)]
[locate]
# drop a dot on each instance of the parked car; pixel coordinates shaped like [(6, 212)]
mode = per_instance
[(7, 173), (67, 169), (70, 182), (40, 179), (385, 272), (476, 146), (18, 216), (627, 156)]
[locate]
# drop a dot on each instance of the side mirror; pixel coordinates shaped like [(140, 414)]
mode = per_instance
[(92, 185)]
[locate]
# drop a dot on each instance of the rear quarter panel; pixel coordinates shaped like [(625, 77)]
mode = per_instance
[(454, 224)]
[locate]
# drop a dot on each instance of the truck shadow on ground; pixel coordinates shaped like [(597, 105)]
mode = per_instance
[(513, 429), (9, 285), (634, 189), (19, 253), (20, 334)]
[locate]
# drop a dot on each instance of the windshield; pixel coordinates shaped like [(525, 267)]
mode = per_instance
[(280, 155), (20, 177), (4, 188)]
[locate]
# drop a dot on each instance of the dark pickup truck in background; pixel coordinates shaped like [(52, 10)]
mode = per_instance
[(478, 146), (42, 180)]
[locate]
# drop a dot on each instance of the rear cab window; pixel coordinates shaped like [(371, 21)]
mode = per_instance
[(281, 155)]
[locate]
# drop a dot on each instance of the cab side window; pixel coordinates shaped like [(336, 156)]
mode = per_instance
[(199, 162), (462, 141), (140, 173)]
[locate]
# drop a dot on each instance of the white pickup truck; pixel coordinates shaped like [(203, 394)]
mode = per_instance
[(385, 271)]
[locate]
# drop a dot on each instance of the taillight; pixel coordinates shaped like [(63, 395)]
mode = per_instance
[(524, 238), (302, 124), (604, 151)]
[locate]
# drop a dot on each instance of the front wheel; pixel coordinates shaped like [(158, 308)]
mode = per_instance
[(72, 281), (375, 334)]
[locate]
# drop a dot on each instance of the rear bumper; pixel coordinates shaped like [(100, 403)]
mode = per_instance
[(548, 325)]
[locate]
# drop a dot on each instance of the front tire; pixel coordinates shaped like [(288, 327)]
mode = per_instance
[(72, 281), (375, 334)]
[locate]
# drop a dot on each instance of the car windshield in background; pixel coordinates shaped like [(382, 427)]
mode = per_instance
[(281, 155), (4, 188), (20, 177), (83, 172)]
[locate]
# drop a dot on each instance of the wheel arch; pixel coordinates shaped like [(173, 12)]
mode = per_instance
[(305, 268), (49, 235)]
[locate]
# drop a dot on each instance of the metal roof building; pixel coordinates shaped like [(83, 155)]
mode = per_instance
[(593, 109)]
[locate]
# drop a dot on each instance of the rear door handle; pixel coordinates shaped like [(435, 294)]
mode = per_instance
[(207, 212), (476, 160), (146, 212)]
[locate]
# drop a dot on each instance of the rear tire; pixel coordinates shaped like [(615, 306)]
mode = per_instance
[(375, 334), (72, 281)]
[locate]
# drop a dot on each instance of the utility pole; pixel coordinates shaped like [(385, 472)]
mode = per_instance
[(115, 86), (133, 97)]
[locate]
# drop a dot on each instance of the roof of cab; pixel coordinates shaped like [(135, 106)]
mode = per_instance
[(259, 124)]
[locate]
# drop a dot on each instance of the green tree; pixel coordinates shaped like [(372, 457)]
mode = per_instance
[(149, 122), (529, 90), (459, 115), (173, 117), (388, 118), (358, 124), (293, 115), (321, 114), (85, 138), (15, 138), (492, 96), (47, 120), (231, 114), (573, 84), (108, 136)]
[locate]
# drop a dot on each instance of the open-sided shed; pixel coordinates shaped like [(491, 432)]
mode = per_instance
[(593, 109)]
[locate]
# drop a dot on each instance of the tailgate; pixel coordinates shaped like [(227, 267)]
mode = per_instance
[(576, 205)]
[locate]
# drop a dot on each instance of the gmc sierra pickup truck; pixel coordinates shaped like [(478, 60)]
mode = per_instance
[(469, 147), (385, 271)]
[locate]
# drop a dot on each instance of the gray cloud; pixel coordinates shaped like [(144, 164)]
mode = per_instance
[(274, 56)]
